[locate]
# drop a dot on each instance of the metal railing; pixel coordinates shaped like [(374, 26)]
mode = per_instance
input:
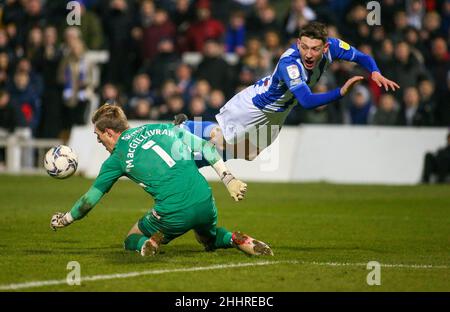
[(23, 153)]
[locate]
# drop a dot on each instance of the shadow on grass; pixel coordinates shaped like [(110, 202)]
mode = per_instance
[(122, 256), (115, 254), (187, 255)]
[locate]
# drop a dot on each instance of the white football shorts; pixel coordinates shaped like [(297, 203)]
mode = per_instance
[(240, 119)]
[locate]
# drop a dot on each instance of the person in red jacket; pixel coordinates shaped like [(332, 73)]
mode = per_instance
[(161, 27), (204, 28)]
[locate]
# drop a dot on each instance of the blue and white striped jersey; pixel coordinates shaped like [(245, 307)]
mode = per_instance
[(273, 93), (269, 101)]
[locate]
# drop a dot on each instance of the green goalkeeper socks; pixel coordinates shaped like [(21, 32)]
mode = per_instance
[(135, 242), (223, 238)]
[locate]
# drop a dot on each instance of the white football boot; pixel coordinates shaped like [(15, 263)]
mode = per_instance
[(250, 245), (151, 245)]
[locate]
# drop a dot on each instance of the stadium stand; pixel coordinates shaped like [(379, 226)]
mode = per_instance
[(146, 55)]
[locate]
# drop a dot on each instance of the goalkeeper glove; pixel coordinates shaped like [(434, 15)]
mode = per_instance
[(60, 220), (235, 187)]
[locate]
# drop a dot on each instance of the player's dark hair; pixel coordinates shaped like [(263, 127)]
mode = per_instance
[(110, 116), (315, 30)]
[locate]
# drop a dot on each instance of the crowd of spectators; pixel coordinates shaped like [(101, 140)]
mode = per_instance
[(46, 80)]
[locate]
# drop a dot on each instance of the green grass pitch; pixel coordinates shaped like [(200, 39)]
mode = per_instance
[(322, 236)]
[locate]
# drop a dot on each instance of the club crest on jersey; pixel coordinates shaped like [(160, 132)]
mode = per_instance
[(126, 137), (293, 71)]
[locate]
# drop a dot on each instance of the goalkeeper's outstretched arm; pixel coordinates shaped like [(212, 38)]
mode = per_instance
[(80, 209), (235, 187)]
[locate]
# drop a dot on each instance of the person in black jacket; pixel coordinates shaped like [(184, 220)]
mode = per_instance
[(7, 119), (438, 163)]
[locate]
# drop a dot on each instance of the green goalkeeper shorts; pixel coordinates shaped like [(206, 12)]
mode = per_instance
[(201, 217)]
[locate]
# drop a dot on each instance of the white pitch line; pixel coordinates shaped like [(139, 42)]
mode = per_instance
[(384, 265), (207, 268), (134, 274)]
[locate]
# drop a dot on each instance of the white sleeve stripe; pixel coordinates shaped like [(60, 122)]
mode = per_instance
[(288, 52), (304, 75), (329, 56)]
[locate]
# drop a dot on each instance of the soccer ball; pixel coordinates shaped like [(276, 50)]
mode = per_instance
[(61, 162)]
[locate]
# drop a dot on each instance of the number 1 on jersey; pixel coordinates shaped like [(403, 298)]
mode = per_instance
[(161, 153)]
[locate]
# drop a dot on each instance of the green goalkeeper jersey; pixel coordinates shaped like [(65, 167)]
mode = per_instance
[(158, 157)]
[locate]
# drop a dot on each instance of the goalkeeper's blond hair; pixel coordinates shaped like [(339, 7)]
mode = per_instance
[(110, 116)]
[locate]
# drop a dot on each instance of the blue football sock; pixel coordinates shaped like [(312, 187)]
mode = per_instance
[(201, 129)]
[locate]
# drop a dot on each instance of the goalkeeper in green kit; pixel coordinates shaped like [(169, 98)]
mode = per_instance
[(159, 157)]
